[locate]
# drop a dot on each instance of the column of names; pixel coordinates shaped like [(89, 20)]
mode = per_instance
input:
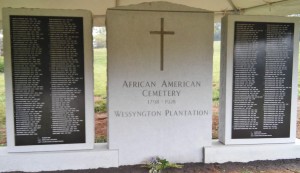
[(48, 79), (262, 79)]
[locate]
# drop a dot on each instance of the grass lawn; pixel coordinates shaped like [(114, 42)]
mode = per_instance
[(2, 101), (2, 94), (2, 109), (216, 71), (100, 63)]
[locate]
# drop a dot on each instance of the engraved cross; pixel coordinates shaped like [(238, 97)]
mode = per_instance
[(162, 33)]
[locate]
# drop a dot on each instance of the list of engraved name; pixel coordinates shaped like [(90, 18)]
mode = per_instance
[(262, 79), (48, 81)]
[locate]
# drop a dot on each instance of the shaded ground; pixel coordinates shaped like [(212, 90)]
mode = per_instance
[(215, 121), (279, 166), (298, 122), (2, 136), (101, 127)]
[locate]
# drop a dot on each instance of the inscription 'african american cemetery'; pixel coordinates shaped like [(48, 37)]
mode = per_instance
[(167, 91)]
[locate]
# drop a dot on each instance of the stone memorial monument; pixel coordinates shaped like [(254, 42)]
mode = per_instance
[(159, 81), (259, 67), (49, 79)]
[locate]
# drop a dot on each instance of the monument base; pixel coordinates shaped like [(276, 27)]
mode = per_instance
[(101, 157), (98, 157), (220, 153)]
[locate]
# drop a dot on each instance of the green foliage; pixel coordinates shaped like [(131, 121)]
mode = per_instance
[(101, 139), (216, 71), (216, 94), (2, 101), (1, 42), (100, 79), (100, 106), (2, 108), (1, 64), (156, 165), (2, 118)]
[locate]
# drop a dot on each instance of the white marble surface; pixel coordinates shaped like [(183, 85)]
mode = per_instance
[(100, 156), (220, 153), (175, 121)]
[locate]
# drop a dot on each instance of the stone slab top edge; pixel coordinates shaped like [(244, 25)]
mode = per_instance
[(24, 10), (160, 6)]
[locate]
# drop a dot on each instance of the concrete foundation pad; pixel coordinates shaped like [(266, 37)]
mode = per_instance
[(98, 157), (220, 153)]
